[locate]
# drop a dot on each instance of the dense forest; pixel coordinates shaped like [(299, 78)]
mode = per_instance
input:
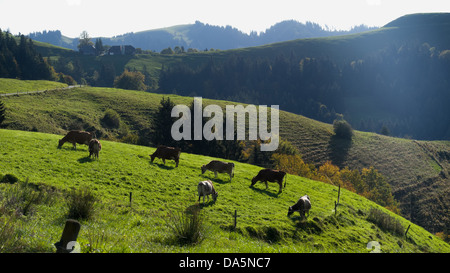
[(20, 60), (401, 90)]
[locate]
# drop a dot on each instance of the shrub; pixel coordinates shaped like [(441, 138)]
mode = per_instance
[(342, 129), (111, 119), (81, 203), (188, 228), (130, 80)]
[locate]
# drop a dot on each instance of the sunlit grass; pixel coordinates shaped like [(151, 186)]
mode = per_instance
[(159, 191)]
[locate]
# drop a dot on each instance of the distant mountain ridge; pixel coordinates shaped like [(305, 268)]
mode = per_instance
[(203, 36)]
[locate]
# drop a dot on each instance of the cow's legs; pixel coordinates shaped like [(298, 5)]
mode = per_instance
[(164, 161), (267, 185), (215, 174)]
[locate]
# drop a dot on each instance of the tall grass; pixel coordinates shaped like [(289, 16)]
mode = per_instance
[(81, 203), (21, 198), (385, 222), (188, 227)]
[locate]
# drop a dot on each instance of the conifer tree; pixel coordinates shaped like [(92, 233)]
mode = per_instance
[(163, 122), (2, 112)]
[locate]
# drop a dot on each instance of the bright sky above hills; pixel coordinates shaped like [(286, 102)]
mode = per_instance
[(108, 18)]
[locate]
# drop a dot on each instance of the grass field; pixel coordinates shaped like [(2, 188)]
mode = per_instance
[(14, 86), (411, 167), (161, 191)]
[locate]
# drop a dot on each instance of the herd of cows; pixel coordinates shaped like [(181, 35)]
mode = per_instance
[(205, 188)]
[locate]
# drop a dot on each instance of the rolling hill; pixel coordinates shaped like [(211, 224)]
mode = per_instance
[(393, 77), (201, 36), (418, 171), (160, 192)]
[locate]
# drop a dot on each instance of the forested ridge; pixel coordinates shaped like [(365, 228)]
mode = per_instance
[(403, 89)]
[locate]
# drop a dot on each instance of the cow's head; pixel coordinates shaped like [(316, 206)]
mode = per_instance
[(254, 180), (152, 156), (290, 211), (214, 196), (203, 169), (60, 143)]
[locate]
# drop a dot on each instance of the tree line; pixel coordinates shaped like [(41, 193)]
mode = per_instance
[(401, 90), (20, 59)]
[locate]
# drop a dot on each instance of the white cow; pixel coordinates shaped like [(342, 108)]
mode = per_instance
[(206, 188), (303, 206)]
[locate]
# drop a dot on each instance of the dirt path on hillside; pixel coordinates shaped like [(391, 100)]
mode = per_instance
[(40, 91)]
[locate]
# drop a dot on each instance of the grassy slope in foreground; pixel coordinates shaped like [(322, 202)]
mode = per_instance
[(159, 191), (408, 167)]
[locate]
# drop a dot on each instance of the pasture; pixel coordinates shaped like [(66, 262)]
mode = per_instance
[(160, 192), (14, 86)]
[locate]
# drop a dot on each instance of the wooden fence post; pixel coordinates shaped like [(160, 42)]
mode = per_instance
[(70, 234), (235, 218), (337, 203), (131, 194), (407, 231)]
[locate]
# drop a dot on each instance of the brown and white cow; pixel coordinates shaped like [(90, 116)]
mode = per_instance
[(76, 137), (206, 188), (94, 147), (217, 166), (165, 152), (303, 206), (269, 175)]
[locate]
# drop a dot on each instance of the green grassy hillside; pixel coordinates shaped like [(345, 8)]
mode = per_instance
[(417, 170), (14, 85), (161, 191)]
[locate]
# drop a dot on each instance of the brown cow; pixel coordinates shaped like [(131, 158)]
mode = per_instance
[(165, 152), (94, 147), (75, 137), (219, 167), (269, 175)]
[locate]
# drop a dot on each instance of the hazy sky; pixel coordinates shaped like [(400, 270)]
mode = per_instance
[(108, 18)]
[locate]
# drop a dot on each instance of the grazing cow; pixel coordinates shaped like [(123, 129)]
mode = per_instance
[(94, 147), (165, 152), (303, 206), (269, 175), (219, 167), (206, 188), (75, 137)]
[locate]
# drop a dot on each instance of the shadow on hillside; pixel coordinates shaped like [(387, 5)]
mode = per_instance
[(70, 148), (85, 159), (310, 226), (218, 180), (267, 192), (162, 166), (338, 149), (200, 205)]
